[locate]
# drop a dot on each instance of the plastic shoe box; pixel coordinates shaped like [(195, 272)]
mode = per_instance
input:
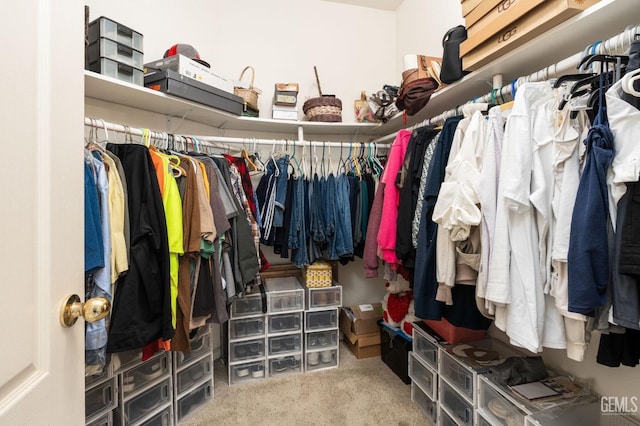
[(246, 328), (285, 323), (163, 418), (142, 375), (100, 398), (321, 360), (200, 345), (284, 294), (285, 344), (322, 339), (459, 408), (445, 418), (425, 344), (246, 350), (250, 305), (424, 403), (423, 375), (321, 320), (144, 403), (246, 372), (194, 399), (285, 365), (195, 373), (108, 28), (104, 420), (324, 297), (105, 48)]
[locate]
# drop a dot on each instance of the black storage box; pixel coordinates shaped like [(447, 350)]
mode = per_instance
[(394, 350), (176, 84)]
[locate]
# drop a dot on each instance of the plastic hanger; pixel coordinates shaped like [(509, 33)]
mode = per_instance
[(602, 58), (570, 77), (628, 81)]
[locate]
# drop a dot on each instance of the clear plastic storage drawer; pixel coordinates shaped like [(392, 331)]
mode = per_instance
[(105, 48), (163, 418), (200, 345), (285, 344), (455, 404), (285, 323), (246, 372), (446, 419), (319, 320), (426, 404), (105, 420), (145, 373), (424, 347), (461, 376), (146, 402), (195, 399), (322, 339), (119, 71), (100, 398), (286, 301), (247, 327), (105, 27), (285, 365), (482, 421), (495, 407), (246, 350), (319, 360), (324, 297), (249, 305), (423, 376), (194, 374)]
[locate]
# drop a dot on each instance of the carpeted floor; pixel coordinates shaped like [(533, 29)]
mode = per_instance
[(358, 392)]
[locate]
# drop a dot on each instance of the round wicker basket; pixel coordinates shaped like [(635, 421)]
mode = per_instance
[(323, 108)]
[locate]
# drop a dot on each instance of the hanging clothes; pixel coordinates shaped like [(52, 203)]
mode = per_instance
[(141, 311)]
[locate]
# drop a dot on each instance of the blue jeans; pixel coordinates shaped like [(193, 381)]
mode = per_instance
[(297, 233), (282, 165)]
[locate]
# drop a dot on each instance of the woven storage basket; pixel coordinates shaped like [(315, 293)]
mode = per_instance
[(249, 95), (318, 274), (323, 108)]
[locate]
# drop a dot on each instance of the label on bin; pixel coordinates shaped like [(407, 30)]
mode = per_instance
[(366, 308)]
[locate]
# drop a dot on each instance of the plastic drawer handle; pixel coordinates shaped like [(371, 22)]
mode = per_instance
[(468, 384), (106, 395), (122, 49), (165, 391), (125, 69), (207, 390), (126, 31)]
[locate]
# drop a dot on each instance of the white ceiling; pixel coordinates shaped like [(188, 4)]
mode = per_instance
[(375, 4)]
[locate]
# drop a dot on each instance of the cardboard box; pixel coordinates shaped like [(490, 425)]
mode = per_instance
[(479, 11), (469, 5), (192, 69), (534, 23), (284, 113), (495, 20), (364, 345), (361, 319)]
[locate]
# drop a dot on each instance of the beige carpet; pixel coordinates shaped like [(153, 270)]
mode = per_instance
[(358, 392)]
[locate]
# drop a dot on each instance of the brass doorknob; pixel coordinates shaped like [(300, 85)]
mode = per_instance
[(92, 310)]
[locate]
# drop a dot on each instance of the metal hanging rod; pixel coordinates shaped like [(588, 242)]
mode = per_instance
[(217, 141), (616, 45)]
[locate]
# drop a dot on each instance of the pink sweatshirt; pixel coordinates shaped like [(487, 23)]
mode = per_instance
[(388, 223)]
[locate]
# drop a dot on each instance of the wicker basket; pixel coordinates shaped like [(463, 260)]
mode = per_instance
[(324, 108), (318, 274), (249, 95)]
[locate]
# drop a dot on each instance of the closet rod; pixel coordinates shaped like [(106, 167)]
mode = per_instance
[(100, 124), (616, 45)]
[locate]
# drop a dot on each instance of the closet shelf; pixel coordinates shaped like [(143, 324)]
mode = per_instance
[(103, 88), (599, 22)]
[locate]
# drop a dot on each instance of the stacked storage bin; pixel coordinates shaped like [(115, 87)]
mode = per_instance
[(246, 354), (284, 331), (423, 371), (322, 336), (101, 398), (115, 50), (193, 375)]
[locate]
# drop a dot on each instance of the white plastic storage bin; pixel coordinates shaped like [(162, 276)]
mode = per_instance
[(460, 376), (200, 345), (162, 418), (247, 306), (247, 372), (108, 28), (460, 409), (288, 343), (321, 360), (141, 376), (496, 407), (444, 418), (423, 376), (104, 420), (323, 297), (428, 406), (425, 346), (114, 69), (284, 294), (285, 323), (100, 398), (245, 328), (105, 48), (322, 339), (196, 373), (194, 399), (286, 365), (246, 350), (90, 381), (321, 320), (142, 405)]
